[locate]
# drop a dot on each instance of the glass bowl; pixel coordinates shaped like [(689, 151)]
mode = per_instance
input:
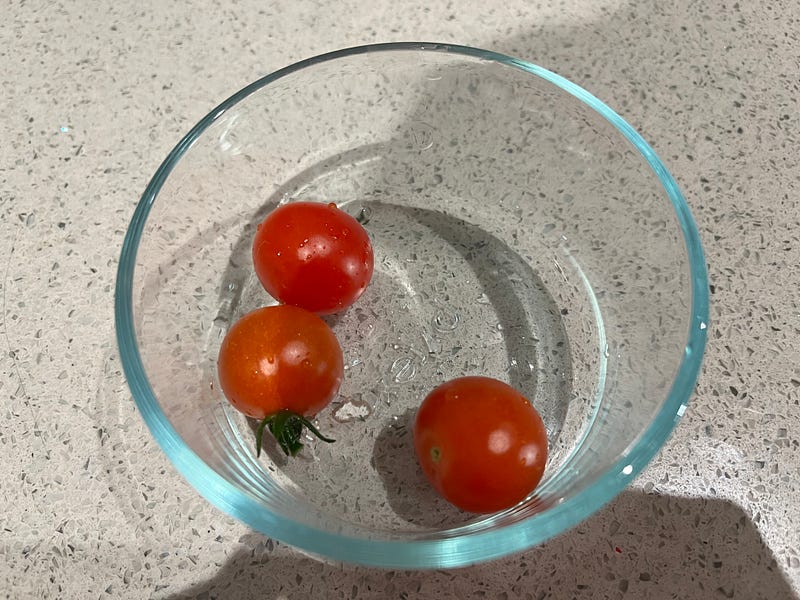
[(522, 230)]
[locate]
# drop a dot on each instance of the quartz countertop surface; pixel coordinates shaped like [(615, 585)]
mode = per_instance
[(96, 93)]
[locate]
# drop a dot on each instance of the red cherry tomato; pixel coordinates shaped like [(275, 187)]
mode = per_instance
[(280, 364), (313, 255), (480, 443)]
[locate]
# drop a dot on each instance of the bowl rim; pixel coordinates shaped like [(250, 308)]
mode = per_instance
[(471, 547)]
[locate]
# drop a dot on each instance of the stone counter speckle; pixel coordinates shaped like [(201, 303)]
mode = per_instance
[(94, 95)]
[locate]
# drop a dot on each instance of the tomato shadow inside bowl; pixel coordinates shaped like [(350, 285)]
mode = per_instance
[(535, 348), (408, 492)]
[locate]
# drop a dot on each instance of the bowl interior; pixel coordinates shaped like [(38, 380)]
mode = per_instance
[(521, 230)]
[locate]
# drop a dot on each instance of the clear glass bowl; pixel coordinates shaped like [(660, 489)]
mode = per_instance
[(521, 229)]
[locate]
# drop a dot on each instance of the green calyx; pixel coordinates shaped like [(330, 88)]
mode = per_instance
[(287, 427)]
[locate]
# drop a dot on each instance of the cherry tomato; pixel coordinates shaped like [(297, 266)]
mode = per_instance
[(313, 255), (480, 443), (280, 364)]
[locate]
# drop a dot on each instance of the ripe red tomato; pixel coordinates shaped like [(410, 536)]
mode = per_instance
[(280, 364), (313, 255), (480, 443)]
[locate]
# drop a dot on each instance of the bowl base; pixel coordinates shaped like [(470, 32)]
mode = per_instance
[(448, 298)]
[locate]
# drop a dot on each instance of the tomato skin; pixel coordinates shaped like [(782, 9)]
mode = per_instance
[(313, 255), (480, 443), (280, 357)]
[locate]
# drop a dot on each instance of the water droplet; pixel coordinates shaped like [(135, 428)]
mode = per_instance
[(483, 299), (403, 369), (331, 204), (231, 286), (305, 362), (499, 327), (528, 371), (445, 321), (605, 351), (364, 215), (703, 326), (422, 135), (388, 397), (284, 200), (433, 344), (365, 329)]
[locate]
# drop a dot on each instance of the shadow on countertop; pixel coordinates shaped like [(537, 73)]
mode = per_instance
[(639, 546)]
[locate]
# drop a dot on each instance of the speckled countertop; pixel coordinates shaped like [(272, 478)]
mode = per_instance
[(94, 94)]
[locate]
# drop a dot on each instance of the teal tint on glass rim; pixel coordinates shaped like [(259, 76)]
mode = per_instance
[(522, 230)]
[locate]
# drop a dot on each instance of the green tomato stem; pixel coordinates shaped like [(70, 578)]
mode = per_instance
[(287, 427)]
